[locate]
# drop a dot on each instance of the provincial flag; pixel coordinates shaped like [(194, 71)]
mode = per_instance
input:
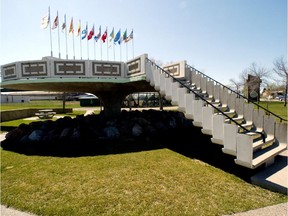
[(79, 29), (124, 35), (56, 22), (97, 37), (104, 36), (111, 35), (71, 29), (130, 37), (45, 21), (117, 37), (64, 23), (84, 32), (91, 33)]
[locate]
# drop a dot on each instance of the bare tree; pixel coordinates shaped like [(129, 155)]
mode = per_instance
[(259, 71), (236, 84), (280, 68)]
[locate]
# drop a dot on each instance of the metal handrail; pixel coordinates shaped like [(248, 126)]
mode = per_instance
[(202, 98), (249, 100)]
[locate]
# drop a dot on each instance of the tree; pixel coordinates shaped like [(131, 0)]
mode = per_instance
[(255, 74), (236, 84), (280, 68), (260, 72)]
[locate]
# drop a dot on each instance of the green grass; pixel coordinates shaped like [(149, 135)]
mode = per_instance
[(158, 182), (40, 104), (276, 107), (17, 122)]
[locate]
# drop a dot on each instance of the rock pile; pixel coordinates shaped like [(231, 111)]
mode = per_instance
[(87, 132)]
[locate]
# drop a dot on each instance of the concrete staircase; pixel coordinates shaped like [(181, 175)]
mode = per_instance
[(250, 135)]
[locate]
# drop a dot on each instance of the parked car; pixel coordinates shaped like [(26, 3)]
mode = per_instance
[(281, 97)]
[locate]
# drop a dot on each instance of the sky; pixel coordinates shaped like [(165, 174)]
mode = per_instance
[(220, 38)]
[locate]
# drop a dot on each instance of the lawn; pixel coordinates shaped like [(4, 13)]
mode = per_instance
[(276, 107), (184, 180), (156, 182), (40, 104)]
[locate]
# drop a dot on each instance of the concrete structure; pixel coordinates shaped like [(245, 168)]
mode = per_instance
[(253, 137), (110, 81)]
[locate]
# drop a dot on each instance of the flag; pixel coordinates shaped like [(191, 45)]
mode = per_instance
[(124, 35), (71, 29), (117, 37), (56, 22), (91, 33), (84, 32), (64, 23), (79, 28), (111, 35), (45, 20), (97, 37), (104, 36), (130, 37)]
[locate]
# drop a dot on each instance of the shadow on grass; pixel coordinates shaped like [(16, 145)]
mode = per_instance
[(188, 141)]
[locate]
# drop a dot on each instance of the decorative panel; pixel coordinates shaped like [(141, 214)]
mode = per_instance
[(69, 68), (106, 69), (173, 69), (134, 66), (34, 69), (9, 71)]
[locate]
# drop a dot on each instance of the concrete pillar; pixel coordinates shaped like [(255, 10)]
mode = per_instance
[(112, 102)]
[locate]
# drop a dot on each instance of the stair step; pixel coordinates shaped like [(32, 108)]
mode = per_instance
[(238, 119), (265, 156), (247, 125), (254, 134), (260, 144), (222, 108), (269, 154)]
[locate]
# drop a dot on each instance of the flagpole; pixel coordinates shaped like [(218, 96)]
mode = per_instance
[(87, 42), (80, 37), (101, 48), (73, 46), (114, 50), (94, 49), (126, 52), (133, 45), (120, 48), (66, 36), (107, 44), (58, 36), (50, 32)]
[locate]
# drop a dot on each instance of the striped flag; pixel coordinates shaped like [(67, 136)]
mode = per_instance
[(84, 32), (97, 37), (45, 21), (71, 29), (56, 22), (64, 23), (79, 28), (104, 36), (130, 37)]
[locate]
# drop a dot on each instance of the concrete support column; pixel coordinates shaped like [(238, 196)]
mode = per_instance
[(112, 102)]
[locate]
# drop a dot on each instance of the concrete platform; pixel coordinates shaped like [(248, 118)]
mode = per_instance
[(275, 176)]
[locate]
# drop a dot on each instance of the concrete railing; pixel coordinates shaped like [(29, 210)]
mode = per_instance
[(251, 136), (58, 68)]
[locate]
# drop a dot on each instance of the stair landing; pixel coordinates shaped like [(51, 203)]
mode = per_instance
[(275, 176)]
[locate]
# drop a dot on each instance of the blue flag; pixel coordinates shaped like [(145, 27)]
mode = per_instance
[(84, 32), (117, 37)]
